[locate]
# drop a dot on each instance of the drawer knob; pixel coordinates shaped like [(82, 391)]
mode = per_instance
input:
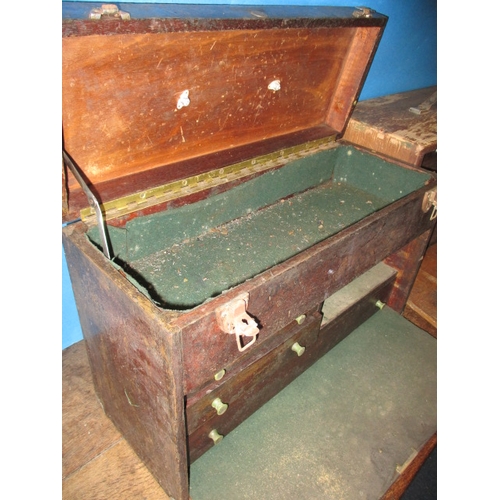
[(215, 436), (219, 375), (300, 319), (219, 406), (380, 304), (298, 349)]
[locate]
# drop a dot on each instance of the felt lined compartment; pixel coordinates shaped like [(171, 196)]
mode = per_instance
[(184, 256)]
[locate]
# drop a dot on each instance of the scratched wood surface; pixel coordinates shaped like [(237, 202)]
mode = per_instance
[(421, 308), (386, 125), (97, 463), (120, 93), (123, 116)]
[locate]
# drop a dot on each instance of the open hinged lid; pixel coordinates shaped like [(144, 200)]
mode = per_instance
[(161, 96)]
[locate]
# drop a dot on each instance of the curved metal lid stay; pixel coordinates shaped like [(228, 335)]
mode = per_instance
[(94, 203)]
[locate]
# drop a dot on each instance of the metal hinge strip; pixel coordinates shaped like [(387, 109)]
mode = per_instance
[(178, 189)]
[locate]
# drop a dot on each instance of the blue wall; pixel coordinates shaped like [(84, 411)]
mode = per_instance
[(406, 59)]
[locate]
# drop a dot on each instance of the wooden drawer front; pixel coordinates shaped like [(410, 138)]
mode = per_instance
[(250, 389), (230, 361)]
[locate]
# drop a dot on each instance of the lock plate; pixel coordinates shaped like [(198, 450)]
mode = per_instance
[(233, 318)]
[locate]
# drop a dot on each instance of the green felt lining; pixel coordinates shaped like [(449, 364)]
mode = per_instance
[(187, 255)]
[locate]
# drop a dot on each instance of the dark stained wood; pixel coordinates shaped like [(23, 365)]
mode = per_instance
[(250, 389), (399, 486), (421, 307), (97, 462), (386, 125), (197, 18), (136, 361), (407, 261), (237, 362)]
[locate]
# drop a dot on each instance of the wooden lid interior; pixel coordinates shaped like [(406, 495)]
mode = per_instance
[(177, 102)]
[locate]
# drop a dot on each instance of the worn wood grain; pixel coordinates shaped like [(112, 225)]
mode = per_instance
[(115, 474), (86, 433), (386, 125), (407, 261), (136, 363), (113, 84), (120, 92), (317, 272), (250, 389), (421, 307)]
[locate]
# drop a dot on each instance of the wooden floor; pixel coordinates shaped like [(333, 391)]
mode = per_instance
[(97, 463)]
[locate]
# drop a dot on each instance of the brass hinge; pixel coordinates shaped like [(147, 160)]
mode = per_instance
[(109, 11), (178, 189)]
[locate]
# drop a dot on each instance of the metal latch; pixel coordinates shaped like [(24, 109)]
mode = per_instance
[(363, 12), (109, 11), (430, 200), (233, 318)]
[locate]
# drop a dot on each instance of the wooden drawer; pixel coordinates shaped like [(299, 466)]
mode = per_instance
[(250, 388), (230, 361)]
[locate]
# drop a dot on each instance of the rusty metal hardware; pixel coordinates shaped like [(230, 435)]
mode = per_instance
[(426, 105), (430, 200), (363, 12), (298, 349), (215, 436), (109, 11), (93, 202), (232, 318), (219, 406)]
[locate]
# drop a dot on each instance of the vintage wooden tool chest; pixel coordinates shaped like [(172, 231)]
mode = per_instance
[(218, 211)]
